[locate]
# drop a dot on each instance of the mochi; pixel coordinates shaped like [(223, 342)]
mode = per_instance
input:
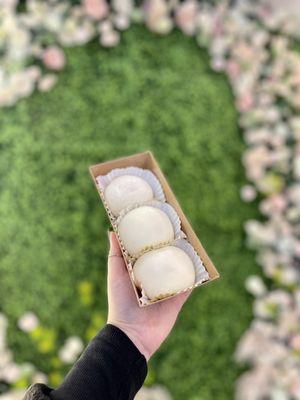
[(163, 272), (126, 190), (145, 226)]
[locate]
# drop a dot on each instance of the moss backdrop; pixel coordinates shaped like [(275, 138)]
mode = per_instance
[(153, 93)]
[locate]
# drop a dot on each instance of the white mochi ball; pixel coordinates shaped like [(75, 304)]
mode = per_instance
[(125, 191), (164, 272), (143, 227)]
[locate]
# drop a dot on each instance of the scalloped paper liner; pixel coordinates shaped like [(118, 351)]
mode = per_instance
[(166, 208), (147, 175), (200, 272)]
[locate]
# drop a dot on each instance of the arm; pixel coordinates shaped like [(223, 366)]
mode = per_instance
[(111, 367), (114, 365)]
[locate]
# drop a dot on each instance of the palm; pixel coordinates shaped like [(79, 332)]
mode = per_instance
[(148, 325)]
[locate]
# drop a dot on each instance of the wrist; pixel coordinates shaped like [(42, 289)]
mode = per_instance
[(134, 337)]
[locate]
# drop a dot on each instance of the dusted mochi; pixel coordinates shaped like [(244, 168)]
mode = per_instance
[(125, 191), (163, 272), (143, 227)]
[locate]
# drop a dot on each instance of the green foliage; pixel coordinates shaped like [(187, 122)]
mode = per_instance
[(153, 93)]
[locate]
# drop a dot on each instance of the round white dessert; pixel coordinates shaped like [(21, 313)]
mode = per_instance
[(125, 191), (163, 272), (143, 227)]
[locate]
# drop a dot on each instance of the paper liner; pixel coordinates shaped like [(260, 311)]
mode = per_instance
[(200, 272), (166, 208), (147, 175)]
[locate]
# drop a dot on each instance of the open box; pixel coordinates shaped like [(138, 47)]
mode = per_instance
[(146, 160)]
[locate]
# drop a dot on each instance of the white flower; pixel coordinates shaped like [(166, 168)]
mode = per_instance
[(15, 394), (39, 377), (156, 392), (5, 359), (255, 286), (297, 165), (279, 394), (28, 322), (123, 7), (11, 373), (71, 349), (255, 384), (47, 82), (3, 322), (3, 327), (289, 276)]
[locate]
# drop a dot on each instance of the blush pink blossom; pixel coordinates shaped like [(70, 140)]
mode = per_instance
[(295, 342), (157, 16), (110, 38), (54, 58), (297, 248), (232, 69), (47, 82), (245, 102), (186, 17), (248, 193), (96, 9)]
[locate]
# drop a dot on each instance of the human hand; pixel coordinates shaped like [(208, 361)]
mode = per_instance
[(147, 327)]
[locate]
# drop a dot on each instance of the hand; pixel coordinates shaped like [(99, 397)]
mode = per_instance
[(147, 327)]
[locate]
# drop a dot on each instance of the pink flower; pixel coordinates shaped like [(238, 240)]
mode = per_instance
[(157, 16), (54, 58), (245, 102), (232, 69), (244, 52), (105, 26), (218, 63), (47, 82), (96, 9), (255, 161), (121, 22), (297, 248), (186, 16), (248, 193), (295, 342), (295, 389), (276, 203), (12, 372), (110, 38)]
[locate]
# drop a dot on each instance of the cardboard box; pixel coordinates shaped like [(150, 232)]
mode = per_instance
[(146, 160)]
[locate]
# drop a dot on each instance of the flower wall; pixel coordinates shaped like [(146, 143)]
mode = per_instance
[(254, 46)]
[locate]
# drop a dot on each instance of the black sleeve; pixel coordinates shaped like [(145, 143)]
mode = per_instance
[(110, 368)]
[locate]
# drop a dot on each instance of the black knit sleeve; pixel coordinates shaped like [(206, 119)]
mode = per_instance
[(110, 368)]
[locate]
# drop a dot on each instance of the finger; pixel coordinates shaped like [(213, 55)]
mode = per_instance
[(116, 264), (114, 248), (181, 298)]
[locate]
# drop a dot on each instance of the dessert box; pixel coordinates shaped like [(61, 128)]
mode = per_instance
[(146, 160)]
